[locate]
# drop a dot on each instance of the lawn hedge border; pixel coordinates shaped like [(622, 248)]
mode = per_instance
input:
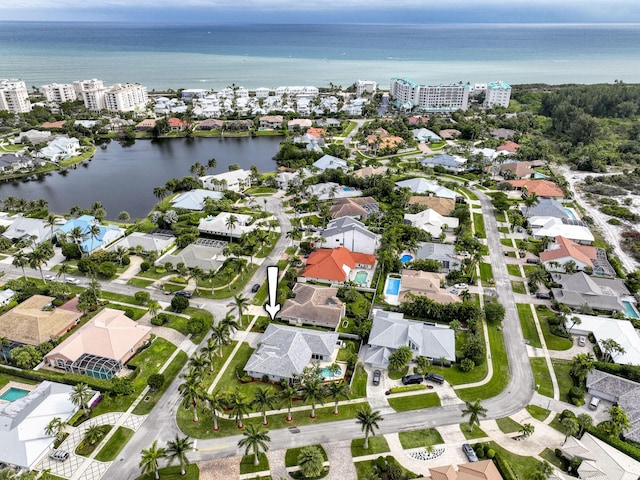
[(66, 378)]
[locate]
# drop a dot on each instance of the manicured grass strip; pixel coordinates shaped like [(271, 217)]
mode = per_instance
[(204, 428), (518, 287), (476, 432), (514, 270), (85, 449), (420, 438), (508, 425), (397, 374), (207, 320), (478, 224), (506, 242), (528, 325), (551, 457), (377, 444), (469, 193), (173, 473), (553, 342), (364, 469), (233, 289), (291, 457), (247, 466), (500, 377), (177, 323), (542, 376), (118, 297), (112, 448), (138, 313), (486, 272), (415, 402), (359, 384), (143, 408), (537, 412), (139, 282), (565, 382), (524, 467)]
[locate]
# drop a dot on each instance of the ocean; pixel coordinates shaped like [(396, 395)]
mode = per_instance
[(181, 56)]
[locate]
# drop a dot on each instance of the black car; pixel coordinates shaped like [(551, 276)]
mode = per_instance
[(412, 379), (182, 293), (376, 377), (468, 451), (255, 288)]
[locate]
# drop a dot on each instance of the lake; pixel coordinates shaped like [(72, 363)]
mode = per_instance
[(123, 178)]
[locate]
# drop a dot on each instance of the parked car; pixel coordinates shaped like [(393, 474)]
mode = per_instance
[(582, 341), (454, 291), (255, 288), (593, 404), (468, 451), (72, 281), (435, 378), (59, 455), (376, 377), (50, 277), (183, 293), (543, 295), (534, 260), (412, 379), (461, 286)]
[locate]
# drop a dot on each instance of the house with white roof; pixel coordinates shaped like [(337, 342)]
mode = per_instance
[(431, 222), (349, 232), (329, 161), (421, 185), (284, 352), (424, 135), (221, 224), (6, 296), (23, 228), (146, 242), (235, 180), (23, 441), (12, 162), (61, 148), (450, 162), (89, 242), (553, 227), (604, 328), (331, 190), (195, 199), (208, 257), (390, 331)]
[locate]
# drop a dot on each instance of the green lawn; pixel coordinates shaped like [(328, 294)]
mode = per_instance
[(537, 412), (500, 217), (291, 457), (359, 384), (504, 230), (478, 224), (85, 449), (377, 444), (6, 378), (500, 377), (207, 319), (397, 374), (415, 402), (507, 242), (112, 448), (247, 466), (118, 297), (553, 341), (233, 289), (528, 325), (229, 382), (204, 428), (469, 193), (173, 473), (476, 432), (486, 273), (177, 323), (139, 282), (514, 270), (550, 456), (524, 467), (542, 376), (420, 438), (518, 287), (565, 381), (364, 470), (508, 425), (145, 407), (138, 313)]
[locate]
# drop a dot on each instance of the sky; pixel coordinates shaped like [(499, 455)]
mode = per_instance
[(324, 11)]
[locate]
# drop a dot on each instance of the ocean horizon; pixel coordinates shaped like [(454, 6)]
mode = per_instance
[(165, 56)]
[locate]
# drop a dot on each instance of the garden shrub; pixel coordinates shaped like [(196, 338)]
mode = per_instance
[(71, 251), (491, 453), (160, 319), (195, 325), (107, 270), (179, 304), (129, 312), (121, 386), (155, 381), (466, 365), (144, 266)]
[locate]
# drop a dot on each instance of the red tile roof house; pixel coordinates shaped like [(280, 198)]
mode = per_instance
[(177, 125), (508, 146), (542, 188), (565, 250), (336, 265)]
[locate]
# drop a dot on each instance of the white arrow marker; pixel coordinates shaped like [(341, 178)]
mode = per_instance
[(272, 283)]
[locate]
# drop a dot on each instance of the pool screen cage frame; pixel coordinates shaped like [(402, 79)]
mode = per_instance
[(95, 366)]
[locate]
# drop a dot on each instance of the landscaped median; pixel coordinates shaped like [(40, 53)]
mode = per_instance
[(414, 401)]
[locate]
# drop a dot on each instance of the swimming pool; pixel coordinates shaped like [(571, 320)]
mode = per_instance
[(14, 394), (539, 175), (361, 277), (326, 373), (570, 213), (629, 311), (393, 286), (406, 258), (346, 189)]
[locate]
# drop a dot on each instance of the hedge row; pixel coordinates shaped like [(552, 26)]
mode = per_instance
[(630, 372), (66, 378), (624, 447), (407, 388), (505, 468)]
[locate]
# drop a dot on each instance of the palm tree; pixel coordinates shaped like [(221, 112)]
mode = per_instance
[(336, 391), (527, 430), (241, 303), (230, 323), (313, 390), (584, 422), (239, 407), (150, 457), (51, 222), (215, 403), (77, 235), (80, 396), (154, 307), (37, 258), (256, 438), (196, 273), (287, 394), (54, 427), (212, 163), (160, 192), (531, 200), (475, 411), (120, 252), (198, 364), (63, 270), (262, 238), (311, 462), (263, 399), (231, 223), (543, 471), (20, 260), (219, 336), (177, 450), (191, 392), (581, 365), (93, 232), (209, 350), (94, 434), (368, 420)]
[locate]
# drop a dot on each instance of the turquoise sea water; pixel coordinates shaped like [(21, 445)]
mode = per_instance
[(162, 56)]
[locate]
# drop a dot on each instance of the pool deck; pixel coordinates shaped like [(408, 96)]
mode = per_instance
[(12, 384), (391, 299)]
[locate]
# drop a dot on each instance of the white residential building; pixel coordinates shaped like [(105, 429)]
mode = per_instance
[(404, 92), (235, 180), (87, 85), (408, 94), (14, 96), (297, 90), (431, 222), (59, 92), (498, 94), (349, 232), (60, 148), (262, 92), (118, 97), (365, 86)]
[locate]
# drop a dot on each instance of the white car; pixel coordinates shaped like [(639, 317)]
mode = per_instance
[(72, 281), (50, 277), (461, 286)]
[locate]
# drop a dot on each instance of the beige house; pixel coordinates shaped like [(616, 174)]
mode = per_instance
[(425, 284), (313, 305), (101, 347), (271, 121), (36, 321)]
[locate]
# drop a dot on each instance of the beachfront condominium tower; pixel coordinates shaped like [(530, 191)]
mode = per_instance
[(119, 97), (407, 94), (14, 96), (365, 86), (498, 94), (59, 92)]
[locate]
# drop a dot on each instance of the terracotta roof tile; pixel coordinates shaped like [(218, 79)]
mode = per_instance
[(542, 188)]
